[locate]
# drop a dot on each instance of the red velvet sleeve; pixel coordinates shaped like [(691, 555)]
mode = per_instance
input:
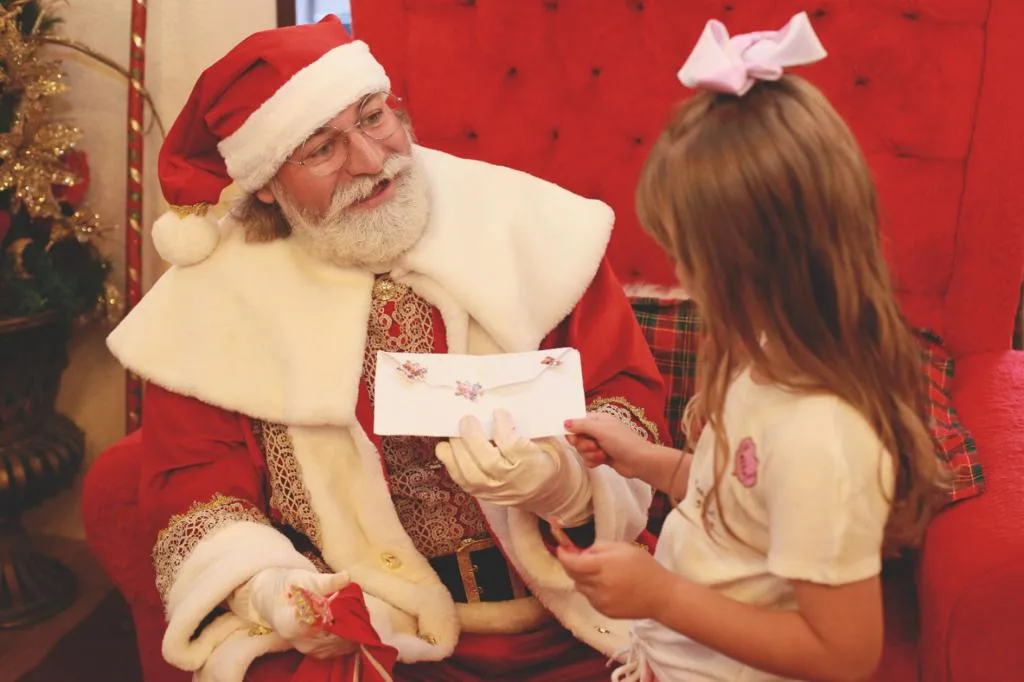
[(619, 373), (198, 472)]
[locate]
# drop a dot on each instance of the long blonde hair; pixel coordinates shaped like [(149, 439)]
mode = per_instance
[(766, 203)]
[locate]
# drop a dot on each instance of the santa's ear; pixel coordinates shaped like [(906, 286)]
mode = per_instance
[(265, 195)]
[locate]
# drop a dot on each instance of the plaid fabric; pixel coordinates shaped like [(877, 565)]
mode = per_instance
[(955, 444), (672, 328)]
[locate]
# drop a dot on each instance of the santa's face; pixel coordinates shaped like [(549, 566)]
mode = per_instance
[(369, 211)]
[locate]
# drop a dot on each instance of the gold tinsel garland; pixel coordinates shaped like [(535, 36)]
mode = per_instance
[(32, 153)]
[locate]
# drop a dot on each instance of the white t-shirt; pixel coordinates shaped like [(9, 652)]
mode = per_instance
[(806, 487)]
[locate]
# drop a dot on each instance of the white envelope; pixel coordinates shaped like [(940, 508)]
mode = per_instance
[(426, 394)]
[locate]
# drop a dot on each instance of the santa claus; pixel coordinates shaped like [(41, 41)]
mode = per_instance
[(262, 475)]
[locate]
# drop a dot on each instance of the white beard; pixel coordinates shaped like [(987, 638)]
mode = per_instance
[(369, 238)]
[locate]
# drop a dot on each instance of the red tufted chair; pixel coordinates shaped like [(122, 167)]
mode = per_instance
[(575, 91)]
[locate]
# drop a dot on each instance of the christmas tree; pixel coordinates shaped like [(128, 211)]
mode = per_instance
[(48, 236)]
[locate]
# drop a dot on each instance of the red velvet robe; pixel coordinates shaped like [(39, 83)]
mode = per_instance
[(196, 451)]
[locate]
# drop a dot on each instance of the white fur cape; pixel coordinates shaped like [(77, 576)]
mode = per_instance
[(264, 330)]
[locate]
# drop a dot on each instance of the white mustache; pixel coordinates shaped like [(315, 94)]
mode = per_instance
[(348, 236), (362, 187)]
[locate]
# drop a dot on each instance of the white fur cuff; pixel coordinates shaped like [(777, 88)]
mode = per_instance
[(221, 562)]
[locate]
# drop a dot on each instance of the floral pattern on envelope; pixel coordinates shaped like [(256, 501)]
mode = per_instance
[(425, 394)]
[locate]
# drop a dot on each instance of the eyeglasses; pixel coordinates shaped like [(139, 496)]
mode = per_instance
[(327, 150)]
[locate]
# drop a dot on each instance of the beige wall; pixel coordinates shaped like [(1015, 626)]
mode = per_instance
[(183, 38)]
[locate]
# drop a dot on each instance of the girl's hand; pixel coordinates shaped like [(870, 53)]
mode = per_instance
[(620, 579), (603, 439)]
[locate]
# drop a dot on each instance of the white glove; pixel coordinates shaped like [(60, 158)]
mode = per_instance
[(544, 476), (264, 600)]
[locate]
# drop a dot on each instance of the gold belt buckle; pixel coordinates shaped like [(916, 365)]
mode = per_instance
[(467, 570)]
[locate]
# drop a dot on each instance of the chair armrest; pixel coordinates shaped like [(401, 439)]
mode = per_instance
[(110, 500), (971, 575)]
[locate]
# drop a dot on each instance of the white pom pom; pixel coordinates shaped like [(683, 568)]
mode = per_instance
[(186, 240)]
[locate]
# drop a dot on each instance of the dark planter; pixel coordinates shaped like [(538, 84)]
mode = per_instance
[(40, 454)]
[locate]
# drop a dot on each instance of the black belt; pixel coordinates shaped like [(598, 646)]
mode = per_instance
[(478, 572)]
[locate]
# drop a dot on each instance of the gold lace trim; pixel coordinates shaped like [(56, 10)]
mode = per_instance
[(179, 538), (634, 417), (288, 492)]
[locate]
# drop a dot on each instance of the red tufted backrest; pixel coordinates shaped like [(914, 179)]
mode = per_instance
[(575, 91)]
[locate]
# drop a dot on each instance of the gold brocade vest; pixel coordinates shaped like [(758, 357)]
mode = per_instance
[(435, 512), (438, 515)]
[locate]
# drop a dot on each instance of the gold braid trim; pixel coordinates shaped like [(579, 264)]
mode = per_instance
[(184, 531), (191, 209), (632, 416)]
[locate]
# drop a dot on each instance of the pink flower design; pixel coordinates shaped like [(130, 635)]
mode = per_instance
[(746, 464), (550, 361), (468, 390), (413, 371)]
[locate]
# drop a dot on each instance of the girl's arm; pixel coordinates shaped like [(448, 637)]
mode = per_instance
[(663, 468), (835, 634), (602, 439), (824, 480)]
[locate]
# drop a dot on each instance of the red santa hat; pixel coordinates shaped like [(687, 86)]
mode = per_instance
[(247, 113)]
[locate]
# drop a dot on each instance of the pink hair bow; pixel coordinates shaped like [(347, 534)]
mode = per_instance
[(732, 65)]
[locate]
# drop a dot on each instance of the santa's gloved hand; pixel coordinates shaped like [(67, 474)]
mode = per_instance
[(270, 599), (543, 476)]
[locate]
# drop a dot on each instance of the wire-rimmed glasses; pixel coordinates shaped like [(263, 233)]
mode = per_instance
[(327, 150)]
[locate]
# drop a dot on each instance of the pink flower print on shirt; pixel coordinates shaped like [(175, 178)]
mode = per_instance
[(745, 466)]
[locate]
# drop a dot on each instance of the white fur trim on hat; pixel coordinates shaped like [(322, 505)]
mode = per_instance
[(309, 99), (185, 240)]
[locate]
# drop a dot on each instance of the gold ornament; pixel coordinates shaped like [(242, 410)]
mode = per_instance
[(31, 152), (17, 251), (33, 148), (81, 225), (111, 306)]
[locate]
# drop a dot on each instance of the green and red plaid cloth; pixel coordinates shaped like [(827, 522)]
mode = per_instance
[(955, 445), (672, 328)]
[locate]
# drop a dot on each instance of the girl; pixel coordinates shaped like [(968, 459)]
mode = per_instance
[(815, 460)]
